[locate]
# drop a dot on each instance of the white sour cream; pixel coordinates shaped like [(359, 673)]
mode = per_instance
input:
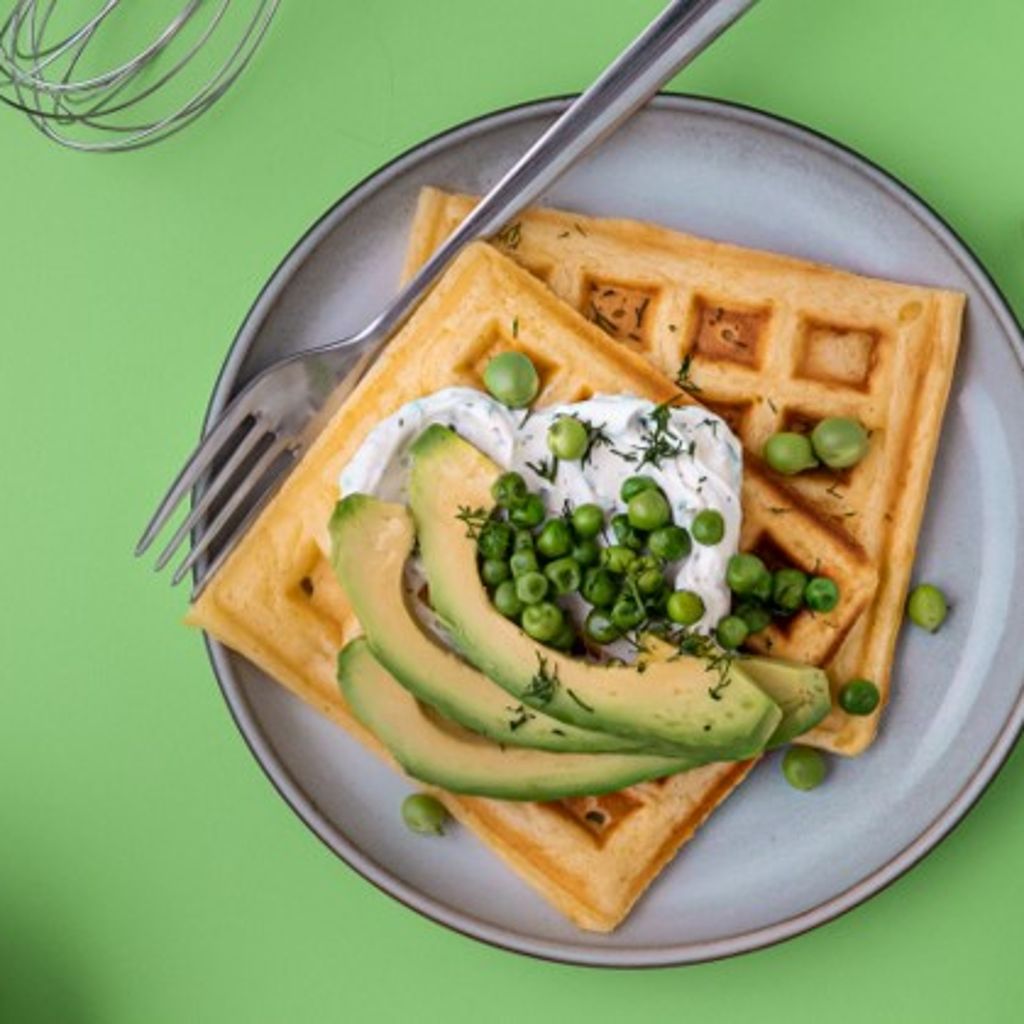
[(706, 473)]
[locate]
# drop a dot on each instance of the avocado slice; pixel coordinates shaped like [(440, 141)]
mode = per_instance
[(687, 706), (801, 691), (444, 754), (370, 542)]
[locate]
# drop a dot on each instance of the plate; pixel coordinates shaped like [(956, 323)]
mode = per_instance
[(772, 862)]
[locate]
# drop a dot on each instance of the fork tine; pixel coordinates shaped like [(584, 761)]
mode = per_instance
[(223, 477), (242, 527), (197, 464), (255, 474)]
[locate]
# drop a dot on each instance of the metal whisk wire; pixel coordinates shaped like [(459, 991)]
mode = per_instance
[(115, 108)]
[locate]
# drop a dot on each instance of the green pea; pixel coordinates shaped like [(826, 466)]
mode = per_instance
[(587, 520), (600, 628), (542, 621), (587, 552), (529, 513), (564, 575), (495, 539), (523, 540), (685, 607), (626, 534), (618, 559), (494, 571), (754, 614), (509, 490), (788, 590), (512, 379), (789, 453), (670, 543), (555, 539), (565, 638), (649, 510), (567, 438), (424, 814), (821, 594), (804, 767), (859, 697), (633, 485), (743, 572), (507, 601), (650, 582), (763, 587), (708, 527), (626, 613), (840, 442), (927, 607), (600, 587), (523, 562), (531, 587), (731, 632)]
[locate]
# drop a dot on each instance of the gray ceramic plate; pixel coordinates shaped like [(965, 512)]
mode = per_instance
[(738, 175)]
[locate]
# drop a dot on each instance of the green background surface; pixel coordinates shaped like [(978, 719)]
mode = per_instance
[(148, 872)]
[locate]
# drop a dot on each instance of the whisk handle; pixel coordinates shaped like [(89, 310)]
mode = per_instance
[(668, 44)]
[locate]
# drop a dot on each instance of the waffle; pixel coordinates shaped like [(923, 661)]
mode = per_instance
[(276, 600), (773, 344)]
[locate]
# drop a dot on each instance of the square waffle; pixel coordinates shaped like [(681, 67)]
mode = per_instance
[(773, 343), (276, 599)]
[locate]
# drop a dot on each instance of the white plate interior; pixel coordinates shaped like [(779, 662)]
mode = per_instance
[(772, 861)]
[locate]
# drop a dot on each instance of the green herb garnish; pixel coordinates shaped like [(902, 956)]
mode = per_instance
[(510, 235), (583, 704), (474, 518), (683, 380), (606, 325), (546, 469), (543, 684)]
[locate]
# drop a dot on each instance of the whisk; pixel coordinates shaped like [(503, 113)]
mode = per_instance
[(107, 76)]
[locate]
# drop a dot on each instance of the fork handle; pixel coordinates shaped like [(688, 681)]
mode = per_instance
[(668, 44)]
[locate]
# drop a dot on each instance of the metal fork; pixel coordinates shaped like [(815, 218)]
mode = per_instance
[(244, 457)]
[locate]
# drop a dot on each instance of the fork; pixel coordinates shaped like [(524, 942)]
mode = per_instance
[(245, 457)]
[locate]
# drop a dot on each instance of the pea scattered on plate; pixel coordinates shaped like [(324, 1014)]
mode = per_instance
[(424, 814), (927, 607), (804, 767)]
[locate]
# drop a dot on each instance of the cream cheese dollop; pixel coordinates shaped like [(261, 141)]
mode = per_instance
[(703, 471)]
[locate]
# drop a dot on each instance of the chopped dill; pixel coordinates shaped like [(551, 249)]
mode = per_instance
[(474, 518), (515, 327), (510, 235), (520, 717), (606, 325), (543, 684), (596, 438), (546, 469), (683, 379), (658, 441), (582, 703)]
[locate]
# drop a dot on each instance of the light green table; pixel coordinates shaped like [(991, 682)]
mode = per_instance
[(147, 870)]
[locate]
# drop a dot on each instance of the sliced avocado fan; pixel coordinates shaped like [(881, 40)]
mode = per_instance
[(703, 711)]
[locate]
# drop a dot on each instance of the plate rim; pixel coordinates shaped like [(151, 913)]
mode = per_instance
[(437, 911)]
